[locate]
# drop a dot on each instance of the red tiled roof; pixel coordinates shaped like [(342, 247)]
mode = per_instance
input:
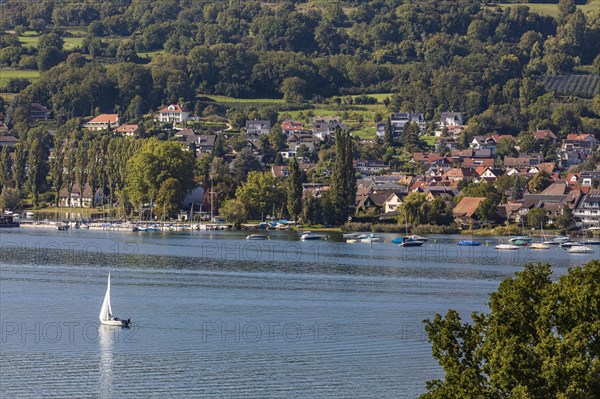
[(177, 109), (467, 206), (105, 118), (127, 128), (542, 134)]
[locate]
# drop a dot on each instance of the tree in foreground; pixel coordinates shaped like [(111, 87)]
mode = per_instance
[(294, 190), (541, 339)]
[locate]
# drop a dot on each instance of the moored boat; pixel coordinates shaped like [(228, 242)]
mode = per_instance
[(311, 236), (469, 243), (257, 237), (507, 247), (539, 245), (580, 249)]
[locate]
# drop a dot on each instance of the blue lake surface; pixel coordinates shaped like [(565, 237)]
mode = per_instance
[(217, 316)]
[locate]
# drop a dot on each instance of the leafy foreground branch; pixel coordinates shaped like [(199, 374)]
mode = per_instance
[(540, 340)]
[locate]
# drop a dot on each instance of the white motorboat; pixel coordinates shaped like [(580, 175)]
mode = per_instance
[(311, 236), (257, 237), (106, 316), (350, 236), (417, 238), (351, 240), (368, 238), (539, 245), (523, 240), (570, 244), (580, 249), (507, 247), (557, 240)]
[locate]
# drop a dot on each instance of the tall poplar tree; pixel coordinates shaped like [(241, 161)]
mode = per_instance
[(294, 190), (343, 180)]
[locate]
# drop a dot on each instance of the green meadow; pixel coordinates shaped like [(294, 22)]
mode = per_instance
[(6, 74)]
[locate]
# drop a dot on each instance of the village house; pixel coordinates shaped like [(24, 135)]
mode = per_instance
[(128, 130), (284, 170), (314, 189), (576, 149), (393, 202), (38, 111), (523, 160), (102, 122), (369, 167), (291, 126), (298, 139), (588, 210), (542, 135), (484, 143), (323, 126), (205, 143), (257, 127), (175, 113), (590, 178), (399, 119), (7, 141), (465, 211), (78, 199), (459, 174), (448, 119)]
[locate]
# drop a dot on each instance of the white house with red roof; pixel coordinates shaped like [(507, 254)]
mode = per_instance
[(103, 122), (175, 113)]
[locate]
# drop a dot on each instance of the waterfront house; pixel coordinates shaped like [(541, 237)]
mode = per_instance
[(78, 198), (588, 209), (464, 211)]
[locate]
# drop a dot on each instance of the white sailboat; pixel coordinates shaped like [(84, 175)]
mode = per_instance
[(106, 316)]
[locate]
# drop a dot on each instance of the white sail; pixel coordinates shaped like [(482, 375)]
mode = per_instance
[(106, 311)]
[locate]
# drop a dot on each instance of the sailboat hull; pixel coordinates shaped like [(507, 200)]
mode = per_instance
[(115, 323)]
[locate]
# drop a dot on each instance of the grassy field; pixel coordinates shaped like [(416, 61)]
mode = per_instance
[(229, 100), (6, 74), (31, 39), (552, 9)]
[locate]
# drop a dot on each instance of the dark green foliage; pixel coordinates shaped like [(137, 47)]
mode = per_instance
[(539, 340), (343, 179), (294, 190)]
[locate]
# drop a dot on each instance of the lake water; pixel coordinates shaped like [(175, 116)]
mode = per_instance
[(217, 316)]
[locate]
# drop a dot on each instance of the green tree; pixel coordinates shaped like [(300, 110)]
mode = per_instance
[(5, 167), (565, 218), (536, 217), (37, 167), (565, 8), (539, 182), (261, 193), (293, 89), (311, 209), (388, 136), (517, 190), (244, 163), (539, 340), (294, 190), (486, 210), (411, 209), (506, 146), (10, 198), (234, 211), (343, 178), (154, 163), (169, 198), (19, 166)]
